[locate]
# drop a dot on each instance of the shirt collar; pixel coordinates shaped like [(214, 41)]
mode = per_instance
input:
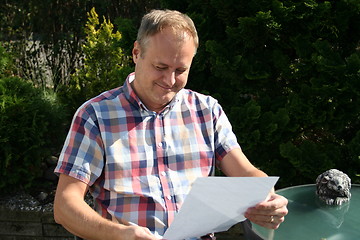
[(129, 91), (135, 100)]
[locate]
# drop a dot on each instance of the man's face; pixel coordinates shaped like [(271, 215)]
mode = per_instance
[(162, 68)]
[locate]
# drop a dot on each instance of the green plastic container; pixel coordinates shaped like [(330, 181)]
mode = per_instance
[(311, 219)]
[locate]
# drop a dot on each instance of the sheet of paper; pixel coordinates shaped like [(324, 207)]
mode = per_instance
[(214, 204)]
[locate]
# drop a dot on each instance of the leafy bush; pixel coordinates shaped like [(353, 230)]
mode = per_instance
[(288, 75), (46, 35), (105, 65), (5, 62), (31, 126)]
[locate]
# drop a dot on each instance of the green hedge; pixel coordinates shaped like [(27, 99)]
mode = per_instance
[(286, 72), (288, 75), (31, 125)]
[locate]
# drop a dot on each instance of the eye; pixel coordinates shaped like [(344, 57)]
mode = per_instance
[(180, 71), (160, 68)]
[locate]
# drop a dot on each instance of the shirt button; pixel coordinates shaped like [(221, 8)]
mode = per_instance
[(163, 173), (159, 145), (168, 197)]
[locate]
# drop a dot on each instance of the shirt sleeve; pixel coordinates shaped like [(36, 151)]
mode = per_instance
[(225, 138), (82, 153)]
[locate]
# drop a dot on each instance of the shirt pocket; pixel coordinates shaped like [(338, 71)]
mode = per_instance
[(147, 185), (129, 170)]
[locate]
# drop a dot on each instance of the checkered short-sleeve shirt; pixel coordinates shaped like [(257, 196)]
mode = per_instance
[(140, 164)]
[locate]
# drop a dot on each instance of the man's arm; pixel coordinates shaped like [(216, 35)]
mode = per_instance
[(74, 214), (269, 213), (236, 164)]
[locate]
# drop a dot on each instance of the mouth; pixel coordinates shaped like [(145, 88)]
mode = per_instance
[(164, 87)]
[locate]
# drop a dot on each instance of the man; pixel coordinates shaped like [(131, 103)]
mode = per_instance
[(138, 148)]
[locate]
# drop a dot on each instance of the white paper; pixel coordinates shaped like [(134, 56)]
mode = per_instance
[(214, 204)]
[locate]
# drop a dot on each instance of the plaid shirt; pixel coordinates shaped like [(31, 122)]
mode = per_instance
[(140, 164)]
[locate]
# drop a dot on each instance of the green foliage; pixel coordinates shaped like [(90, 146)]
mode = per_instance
[(30, 126), (46, 35), (288, 75), (5, 62), (286, 72), (105, 65), (128, 30)]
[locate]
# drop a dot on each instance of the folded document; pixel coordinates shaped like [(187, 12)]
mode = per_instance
[(214, 204)]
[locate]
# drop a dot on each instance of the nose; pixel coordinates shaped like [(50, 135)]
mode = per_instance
[(169, 78)]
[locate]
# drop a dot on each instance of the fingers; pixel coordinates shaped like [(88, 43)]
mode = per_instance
[(281, 212), (267, 221), (270, 213), (135, 232), (275, 205), (148, 234), (273, 222), (274, 201), (143, 233)]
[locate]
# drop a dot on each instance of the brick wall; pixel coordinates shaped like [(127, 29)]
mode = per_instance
[(39, 224), (27, 224)]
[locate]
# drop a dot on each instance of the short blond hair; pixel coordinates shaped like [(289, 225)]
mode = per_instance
[(157, 20)]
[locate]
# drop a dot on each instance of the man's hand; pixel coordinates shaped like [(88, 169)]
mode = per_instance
[(138, 233), (269, 213), (74, 214), (135, 232)]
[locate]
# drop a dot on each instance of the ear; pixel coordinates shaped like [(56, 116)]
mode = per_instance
[(136, 51), (325, 179), (348, 180)]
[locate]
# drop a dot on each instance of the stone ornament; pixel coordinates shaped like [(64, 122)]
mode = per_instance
[(333, 187)]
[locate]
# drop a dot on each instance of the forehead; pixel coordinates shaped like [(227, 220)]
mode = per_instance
[(169, 35), (169, 45)]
